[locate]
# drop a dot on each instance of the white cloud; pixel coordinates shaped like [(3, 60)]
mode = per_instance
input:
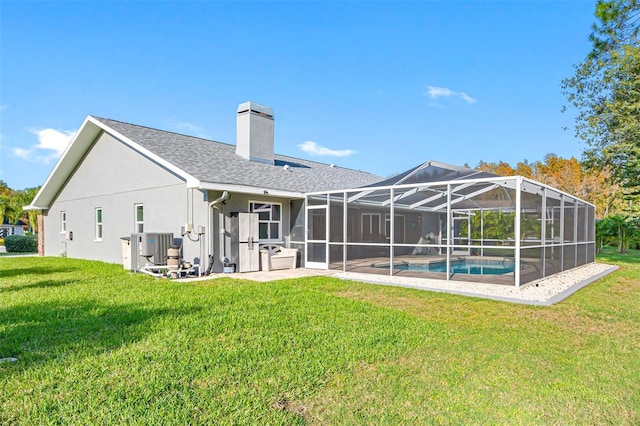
[(185, 126), (51, 144), (22, 153), (435, 92), (315, 149), (54, 140), (188, 128)]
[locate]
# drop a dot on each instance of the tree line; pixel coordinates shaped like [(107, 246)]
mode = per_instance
[(12, 204), (568, 175), (618, 221), (605, 91)]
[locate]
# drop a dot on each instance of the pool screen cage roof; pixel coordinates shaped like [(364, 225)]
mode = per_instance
[(441, 221)]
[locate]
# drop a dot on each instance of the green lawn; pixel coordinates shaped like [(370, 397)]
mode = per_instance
[(97, 345)]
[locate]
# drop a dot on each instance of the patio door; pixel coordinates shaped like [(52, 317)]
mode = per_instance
[(317, 241)]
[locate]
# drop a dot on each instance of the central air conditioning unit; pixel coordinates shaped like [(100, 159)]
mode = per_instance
[(149, 249)]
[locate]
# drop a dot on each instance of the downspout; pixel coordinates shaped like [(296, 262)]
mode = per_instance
[(212, 205), (224, 196)]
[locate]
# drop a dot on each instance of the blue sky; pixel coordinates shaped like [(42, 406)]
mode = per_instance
[(376, 86)]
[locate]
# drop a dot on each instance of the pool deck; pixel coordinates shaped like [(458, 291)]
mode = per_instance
[(542, 292)]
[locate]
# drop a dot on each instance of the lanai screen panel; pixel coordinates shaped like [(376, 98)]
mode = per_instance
[(468, 228), (317, 229), (337, 231), (419, 231), (368, 239), (591, 234), (531, 224), (297, 228), (432, 172), (483, 231)]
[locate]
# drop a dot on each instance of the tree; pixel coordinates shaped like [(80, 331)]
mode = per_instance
[(32, 215), (4, 189), (5, 210), (12, 205), (605, 90), (569, 175), (622, 228), (524, 168), (20, 199), (5, 200), (501, 168)]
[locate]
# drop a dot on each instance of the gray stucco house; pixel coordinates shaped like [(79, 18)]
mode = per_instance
[(432, 221), (115, 179)]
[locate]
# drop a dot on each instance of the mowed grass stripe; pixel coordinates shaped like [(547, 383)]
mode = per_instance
[(110, 347), (98, 345)]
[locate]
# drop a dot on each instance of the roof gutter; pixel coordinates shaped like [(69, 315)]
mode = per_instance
[(251, 190), (32, 207)]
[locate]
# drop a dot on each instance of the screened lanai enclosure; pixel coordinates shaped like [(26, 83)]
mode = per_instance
[(445, 222)]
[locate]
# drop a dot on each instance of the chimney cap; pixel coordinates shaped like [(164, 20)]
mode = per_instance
[(254, 107)]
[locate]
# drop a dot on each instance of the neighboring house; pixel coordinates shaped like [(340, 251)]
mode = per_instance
[(11, 229), (116, 179)]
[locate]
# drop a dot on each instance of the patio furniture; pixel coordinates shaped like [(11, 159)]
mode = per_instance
[(273, 257)]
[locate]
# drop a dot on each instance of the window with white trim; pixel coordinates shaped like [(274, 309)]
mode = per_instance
[(99, 224), (269, 221), (139, 217), (63, 222)]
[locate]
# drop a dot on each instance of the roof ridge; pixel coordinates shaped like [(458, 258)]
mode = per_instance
[(281, 156), (160, 130)]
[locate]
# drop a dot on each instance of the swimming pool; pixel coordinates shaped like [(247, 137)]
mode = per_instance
[(464, 266)]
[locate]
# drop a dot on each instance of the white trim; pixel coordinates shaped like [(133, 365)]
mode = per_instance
[(98, 225), (85, 137), (325, 241), (449, 233), (65, 165), (251, 190), (516, 232), (63, 222), (136, 222), (269, 222)]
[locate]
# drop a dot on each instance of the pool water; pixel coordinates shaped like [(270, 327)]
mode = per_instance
[(469, 266)]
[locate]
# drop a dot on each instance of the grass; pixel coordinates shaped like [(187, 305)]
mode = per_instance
[(96, 345)]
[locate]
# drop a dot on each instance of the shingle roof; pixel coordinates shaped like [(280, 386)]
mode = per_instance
[(217, 162)]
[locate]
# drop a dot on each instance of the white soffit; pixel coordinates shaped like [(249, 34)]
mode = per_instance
[(68, 161)]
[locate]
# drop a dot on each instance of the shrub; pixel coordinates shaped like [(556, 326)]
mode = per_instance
[(1, 241), (21, 243)]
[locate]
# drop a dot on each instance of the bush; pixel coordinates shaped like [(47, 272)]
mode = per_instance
[(21, 243)]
